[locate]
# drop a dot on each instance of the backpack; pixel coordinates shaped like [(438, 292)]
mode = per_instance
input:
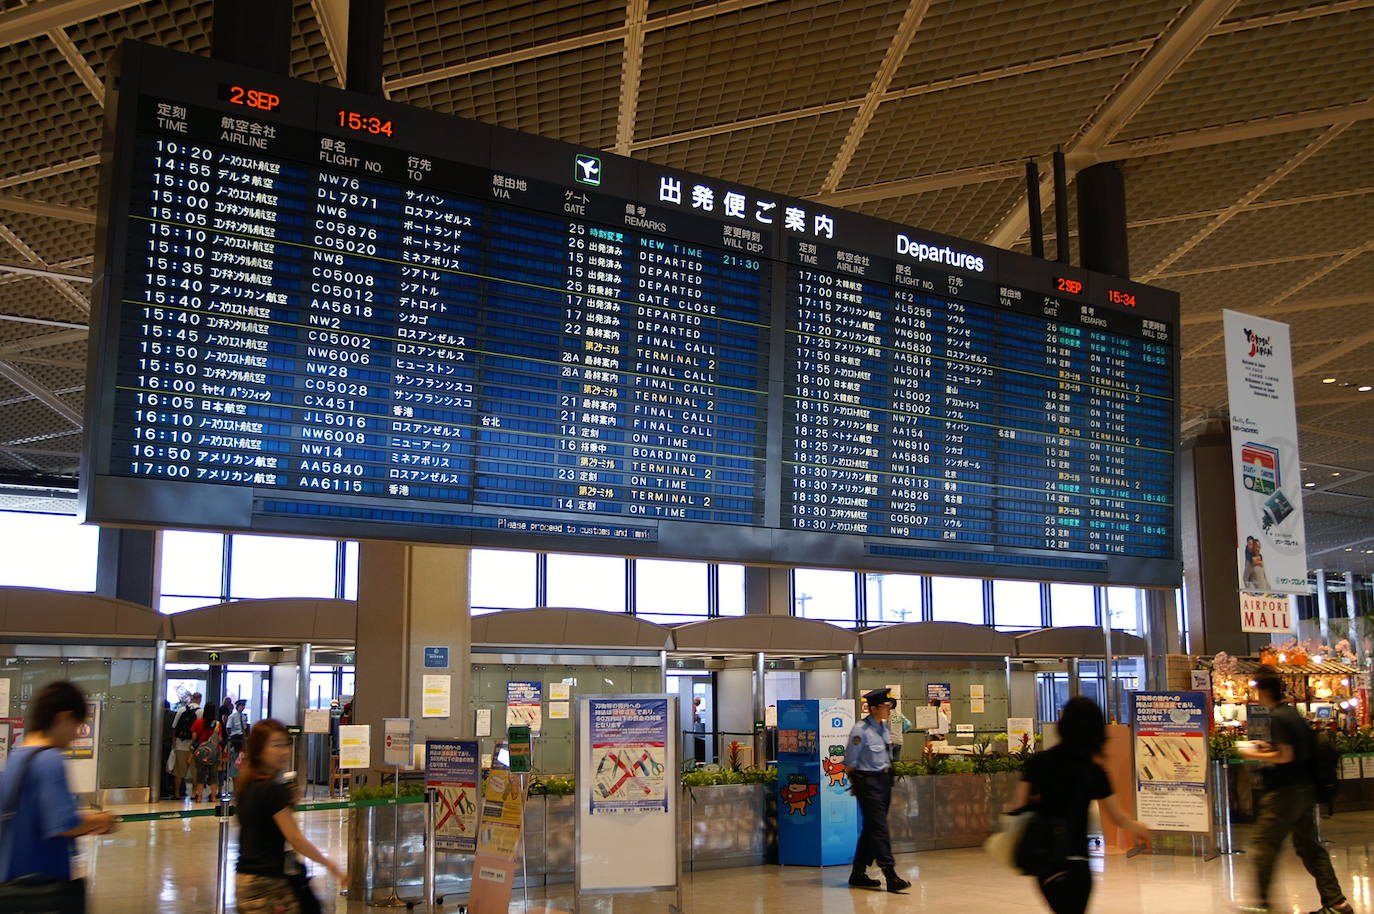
[(207, 753), (1324, 767), (181, 728)]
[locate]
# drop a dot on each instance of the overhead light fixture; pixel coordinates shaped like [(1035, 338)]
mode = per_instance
[(1364, 388), (1328, 380), (1335, 474), (1308, 485), (1349, 548)]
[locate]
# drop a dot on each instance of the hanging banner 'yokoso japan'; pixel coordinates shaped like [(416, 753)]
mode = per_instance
[(1271, 549)]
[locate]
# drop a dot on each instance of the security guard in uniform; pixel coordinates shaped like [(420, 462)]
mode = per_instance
[(868, 761)]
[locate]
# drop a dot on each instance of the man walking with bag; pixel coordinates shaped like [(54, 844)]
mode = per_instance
[(868, 762), (1288, 805)]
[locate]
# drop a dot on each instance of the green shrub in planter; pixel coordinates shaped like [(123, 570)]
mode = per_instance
[(552, 786), (379, 792)]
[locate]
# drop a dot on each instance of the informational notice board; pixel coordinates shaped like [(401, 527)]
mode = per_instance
[(1171, 760), (451, 767), (627, 793)]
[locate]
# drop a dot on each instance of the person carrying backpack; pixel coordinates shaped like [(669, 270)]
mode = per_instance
[(38, 818), (208, 736), (1288, 805), (183, 742)]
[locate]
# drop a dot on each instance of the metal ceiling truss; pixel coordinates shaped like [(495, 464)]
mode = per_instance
[(631, 68), (44, 395)]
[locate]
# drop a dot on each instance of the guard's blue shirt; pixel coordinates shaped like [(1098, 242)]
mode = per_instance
[(867, 749), (30, 843)]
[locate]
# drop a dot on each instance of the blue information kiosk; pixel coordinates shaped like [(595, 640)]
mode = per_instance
[(818, 819)]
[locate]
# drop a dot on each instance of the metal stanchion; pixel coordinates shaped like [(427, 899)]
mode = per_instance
[(221, 886), (431, 888), (394, 900), (1221, 806)]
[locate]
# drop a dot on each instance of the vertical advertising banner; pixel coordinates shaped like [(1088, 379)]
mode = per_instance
[(525, 705), (1171, 760), (629, 740), (1271, 549), (451, 768)]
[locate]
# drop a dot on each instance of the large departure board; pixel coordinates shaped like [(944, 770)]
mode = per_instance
[(324, 313)]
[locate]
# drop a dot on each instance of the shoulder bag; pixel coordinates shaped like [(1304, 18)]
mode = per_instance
[(28, 895)]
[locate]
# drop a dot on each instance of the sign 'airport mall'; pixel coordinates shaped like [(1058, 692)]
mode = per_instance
[(324, 313)]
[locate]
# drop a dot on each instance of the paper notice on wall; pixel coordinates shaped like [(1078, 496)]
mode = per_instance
[(560, 691), (524, 705), (963, 729), (976, 691), (481, 722), (1271, 550), (355, 746), (1350, 768), (438, 695), (558, 710), (976, 705), (4, 697), (926, 718)]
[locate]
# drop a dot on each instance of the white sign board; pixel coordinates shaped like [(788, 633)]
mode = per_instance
[(1200, 680), (355, 746), (1020, 733), (316, 720), (396, 735), (438, 695), (481, 722), (627, 793), (1266, 613), (1271, 551), (4, 697)]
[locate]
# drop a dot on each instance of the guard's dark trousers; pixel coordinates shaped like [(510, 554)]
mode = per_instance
[(874, 792)]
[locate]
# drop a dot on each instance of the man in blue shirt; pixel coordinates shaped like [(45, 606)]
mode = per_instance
[(868, 761), (39, 816)]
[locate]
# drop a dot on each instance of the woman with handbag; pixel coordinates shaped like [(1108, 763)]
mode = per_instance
[(268, 879), (38, 818), (1059, 784)]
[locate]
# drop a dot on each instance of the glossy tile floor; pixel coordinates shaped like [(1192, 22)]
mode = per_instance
[(169, 866)]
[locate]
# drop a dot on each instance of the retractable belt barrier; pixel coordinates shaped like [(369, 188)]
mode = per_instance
[(224, 811)]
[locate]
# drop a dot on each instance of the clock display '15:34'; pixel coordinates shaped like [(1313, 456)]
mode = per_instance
[(355, 121)]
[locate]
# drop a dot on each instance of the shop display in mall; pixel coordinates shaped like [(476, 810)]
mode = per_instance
[(323, 313)]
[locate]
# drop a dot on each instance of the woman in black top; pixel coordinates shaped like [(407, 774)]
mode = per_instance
[(267, 824), (1061, 782)]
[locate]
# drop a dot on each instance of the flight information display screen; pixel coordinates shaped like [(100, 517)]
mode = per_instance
[(323, 313)]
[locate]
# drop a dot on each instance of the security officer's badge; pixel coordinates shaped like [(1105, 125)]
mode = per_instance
[(858, 739)]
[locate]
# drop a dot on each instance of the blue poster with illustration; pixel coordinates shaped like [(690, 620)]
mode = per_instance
[(818, 819)]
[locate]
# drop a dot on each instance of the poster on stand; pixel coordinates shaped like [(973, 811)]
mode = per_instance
[(451, 768), (1020, 734), (1171, 760), (1271, 551), (396, 733), (628, 819), (316, 720), (629, 739), (525, 705), (503, 815)]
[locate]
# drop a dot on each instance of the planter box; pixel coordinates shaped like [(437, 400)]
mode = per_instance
[(947, 810), (729, 825)]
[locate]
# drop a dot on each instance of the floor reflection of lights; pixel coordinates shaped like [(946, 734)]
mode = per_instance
[(168, 866)]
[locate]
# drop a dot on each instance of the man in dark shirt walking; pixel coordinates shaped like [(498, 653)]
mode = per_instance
[(1289, 801)]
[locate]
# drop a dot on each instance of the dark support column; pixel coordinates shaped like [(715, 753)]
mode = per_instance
[(366, 30), (127, 566), (1102, 220), (1211, 573), (1061, 207), (254, 33), (1037, 216)]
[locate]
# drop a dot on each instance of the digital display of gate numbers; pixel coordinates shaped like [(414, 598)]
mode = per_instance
[(325, 314)]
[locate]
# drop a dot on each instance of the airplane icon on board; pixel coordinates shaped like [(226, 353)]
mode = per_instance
[(588, 170)]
